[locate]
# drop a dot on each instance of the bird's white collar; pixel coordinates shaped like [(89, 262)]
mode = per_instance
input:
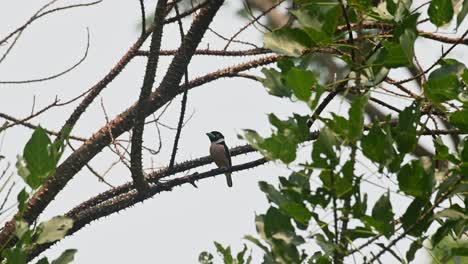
[(221, 140)]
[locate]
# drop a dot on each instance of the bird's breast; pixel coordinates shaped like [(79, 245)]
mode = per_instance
[(218, 154)]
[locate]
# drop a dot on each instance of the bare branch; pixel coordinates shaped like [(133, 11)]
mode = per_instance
[(57, 74), (184, 98)]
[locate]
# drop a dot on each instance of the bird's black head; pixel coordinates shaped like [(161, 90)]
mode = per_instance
[(215, 136)]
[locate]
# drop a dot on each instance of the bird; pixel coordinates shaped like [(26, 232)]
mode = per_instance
[(219, 152)]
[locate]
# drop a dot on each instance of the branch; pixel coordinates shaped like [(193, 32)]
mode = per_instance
[(184, 98), (85, 55), (130, 198), (249, 52), (148, 81), (125, 121), (96, 89)]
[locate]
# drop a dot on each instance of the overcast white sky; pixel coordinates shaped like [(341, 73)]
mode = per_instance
[(172, 227)]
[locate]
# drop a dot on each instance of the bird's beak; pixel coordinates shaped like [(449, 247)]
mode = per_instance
[(209, 134)]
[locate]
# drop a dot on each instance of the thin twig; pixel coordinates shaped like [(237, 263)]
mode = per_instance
[(184, 97)]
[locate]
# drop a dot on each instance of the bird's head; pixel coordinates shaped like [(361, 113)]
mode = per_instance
[(215, 136)]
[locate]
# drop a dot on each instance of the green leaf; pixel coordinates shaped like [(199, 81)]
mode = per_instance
[(442, 152), (341, 186), (459, 119), (66, 257), (15, 255), (442, 89), (440, 12), (205, 258), (301, 82), (462, 13), (359, 232), (378, 146), (454, 213), (293, 209), (392, 55), (54, 229), (225, 253), (382, 216), (287, 41), (323, 152), (356, 117), (241, 254), (22, 198), (406, 33), (319, 20), (257, 243), (277, 222), (442, 232), (39, 159), (417, 178), (406, 129), (464, 149), (459, 251), (443, 84), (414, 247), (43, 260), (413, 213), (274, 83)]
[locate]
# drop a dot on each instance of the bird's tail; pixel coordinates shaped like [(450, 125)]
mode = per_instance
[(229, 179)]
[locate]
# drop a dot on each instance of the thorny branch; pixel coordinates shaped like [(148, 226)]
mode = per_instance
[(150, 74)]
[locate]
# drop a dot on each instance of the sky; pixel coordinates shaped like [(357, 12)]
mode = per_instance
[(171, 227)]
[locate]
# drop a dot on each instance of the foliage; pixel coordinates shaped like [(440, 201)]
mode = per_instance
[(292, 222), (39, 161)]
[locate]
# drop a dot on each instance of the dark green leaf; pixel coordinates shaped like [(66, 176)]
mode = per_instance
[(276, 222), (378, 146), (392, 55), (43, 260), (66, 257), (356, 117), (359, 232), (414, 247), (225, 253), (464, 149), (334, 182), (406, 34), (442, 152), (22, 198), (382, 216), (459, 251), (319, 20), (412, 220), (417, 178), (205, 258), (240, 256), (406, 129), (459, 119), (462, 13), (323, 153), (442, 232), (440, 12)]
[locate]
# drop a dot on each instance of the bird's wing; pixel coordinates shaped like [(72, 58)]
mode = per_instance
[(228, 154)]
